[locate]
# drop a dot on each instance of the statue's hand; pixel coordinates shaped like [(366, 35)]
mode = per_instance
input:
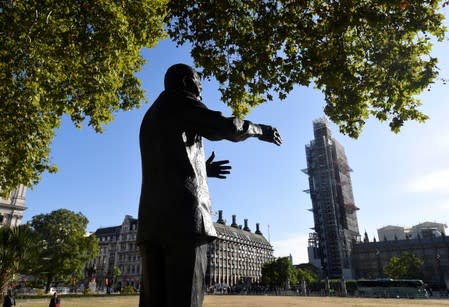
[(270, 134), (217, 169)]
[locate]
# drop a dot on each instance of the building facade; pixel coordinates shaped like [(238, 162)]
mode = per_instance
[(333, 208), (370, 258), (13, 207), (118, 249), (313, 250), (422, 230), (236, 256)]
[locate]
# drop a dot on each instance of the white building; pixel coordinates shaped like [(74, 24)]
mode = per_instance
[(422, 230), (390, 232), (13, 207), (425, 229)]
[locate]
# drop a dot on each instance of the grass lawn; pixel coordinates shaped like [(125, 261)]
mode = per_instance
[(244, 301)]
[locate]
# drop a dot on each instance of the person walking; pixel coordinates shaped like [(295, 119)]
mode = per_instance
[(9, 300), (55, 301)]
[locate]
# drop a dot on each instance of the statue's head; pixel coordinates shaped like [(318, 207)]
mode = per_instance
[(183, 77)]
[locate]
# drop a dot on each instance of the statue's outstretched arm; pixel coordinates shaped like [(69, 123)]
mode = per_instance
[(195, 116), (270, 134)]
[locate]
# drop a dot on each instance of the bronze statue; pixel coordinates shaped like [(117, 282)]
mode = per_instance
[(174, 212)]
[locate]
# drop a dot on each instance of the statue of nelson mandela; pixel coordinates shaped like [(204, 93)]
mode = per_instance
[(175, 222)]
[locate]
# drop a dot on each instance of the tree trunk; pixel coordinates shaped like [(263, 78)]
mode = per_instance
[(48, 284), (5, 278)]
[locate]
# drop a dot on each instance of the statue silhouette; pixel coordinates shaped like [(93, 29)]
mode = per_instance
[(175, 224)]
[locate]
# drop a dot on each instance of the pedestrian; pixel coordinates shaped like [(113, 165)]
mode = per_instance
[(9, 300), (55, 301)]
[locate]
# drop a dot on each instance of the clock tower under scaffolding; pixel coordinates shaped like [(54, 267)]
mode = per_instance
[(334, 211)]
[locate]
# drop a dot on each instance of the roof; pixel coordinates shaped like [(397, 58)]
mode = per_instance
[(108, 231), (430, 225), (239, 234), (129, 219), (390, 227)]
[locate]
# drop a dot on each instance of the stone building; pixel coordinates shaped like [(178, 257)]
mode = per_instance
[(118, 249), (237, 255), (400, 233), (370, 258), (13, 207), (391, 232)]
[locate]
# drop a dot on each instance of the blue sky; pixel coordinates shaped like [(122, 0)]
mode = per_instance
[(398, 179)]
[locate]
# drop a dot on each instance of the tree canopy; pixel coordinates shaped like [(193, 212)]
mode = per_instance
[(279, 273), (406, 266), (64, 247), (72, 57), (309, 272), (369, 58), (80, 57)]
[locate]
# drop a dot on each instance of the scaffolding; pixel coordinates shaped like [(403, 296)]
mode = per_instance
[(333, 205)]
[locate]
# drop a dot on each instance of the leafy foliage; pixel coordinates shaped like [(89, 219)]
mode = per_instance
[(116, 273), (64, 246), (16, 249), (128, 290), (79, 58), (370, 58), (406, 266), (74, 57), (279, 273), (309, 272)]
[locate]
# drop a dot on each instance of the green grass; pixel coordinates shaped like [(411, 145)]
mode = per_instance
[(242, 301), (110, 301)]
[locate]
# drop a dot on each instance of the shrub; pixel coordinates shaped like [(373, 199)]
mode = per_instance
[(87, 291), (128, 290)]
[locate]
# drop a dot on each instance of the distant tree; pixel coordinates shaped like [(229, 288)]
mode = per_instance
[(79, 58), (279, 273), (116, 273), (406, 266), (16, 249), (65, 246), (309, 272)]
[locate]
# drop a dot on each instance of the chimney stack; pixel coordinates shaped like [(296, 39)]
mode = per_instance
[(234, 221), (220, 218), (257, 229), (246, 228)]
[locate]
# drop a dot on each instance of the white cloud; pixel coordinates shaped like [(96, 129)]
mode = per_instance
[(295, 245), (436, 181)]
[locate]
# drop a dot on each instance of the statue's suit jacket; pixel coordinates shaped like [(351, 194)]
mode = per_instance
[(174, 203)]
